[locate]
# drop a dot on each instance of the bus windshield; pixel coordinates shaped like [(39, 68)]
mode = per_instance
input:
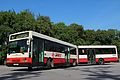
[(18, 46)]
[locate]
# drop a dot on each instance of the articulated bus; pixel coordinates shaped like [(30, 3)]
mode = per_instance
[(100, 54), (32, 49)]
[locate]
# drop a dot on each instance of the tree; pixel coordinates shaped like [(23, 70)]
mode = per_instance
[(90, 36), (59, 30), (24, 21), (103, 37), (74, 34), (43, 25), (7, 19), (11, 22), (117, 43), (96, 43)]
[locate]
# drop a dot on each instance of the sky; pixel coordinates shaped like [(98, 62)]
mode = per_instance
[(92, 14)]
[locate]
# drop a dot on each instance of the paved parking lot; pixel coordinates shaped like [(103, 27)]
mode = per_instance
[(109, 71)]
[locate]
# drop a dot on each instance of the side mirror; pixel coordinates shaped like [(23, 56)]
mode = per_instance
[(28, 42)]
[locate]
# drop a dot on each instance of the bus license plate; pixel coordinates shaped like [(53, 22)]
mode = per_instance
[(15, 64)]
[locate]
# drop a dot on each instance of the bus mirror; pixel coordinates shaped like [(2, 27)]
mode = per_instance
[(28, 42), (31, 39)]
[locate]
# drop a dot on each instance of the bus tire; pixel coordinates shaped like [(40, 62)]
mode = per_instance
[(29, 68), (74, 63), (101, 61), (50, 63)]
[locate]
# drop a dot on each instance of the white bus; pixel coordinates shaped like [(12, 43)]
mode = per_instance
[(97, 54), (30, 49)]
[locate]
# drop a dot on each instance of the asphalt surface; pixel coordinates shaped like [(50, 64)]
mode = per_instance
[(109, 71)]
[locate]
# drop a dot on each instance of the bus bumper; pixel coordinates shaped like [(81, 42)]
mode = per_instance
[(18, 64)]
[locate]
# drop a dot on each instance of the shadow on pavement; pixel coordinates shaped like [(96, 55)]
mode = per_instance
[(100, 73), (95, 73), (18, 74), (85, 64), (40, 69), (24, 73), (88, 66)]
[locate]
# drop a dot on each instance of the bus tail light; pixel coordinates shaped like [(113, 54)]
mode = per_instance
[(8, 60), (24, 60)]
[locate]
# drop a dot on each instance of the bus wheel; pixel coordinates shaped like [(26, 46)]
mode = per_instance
[(74, 63), (50, 63), (29, 68), (100, 61)]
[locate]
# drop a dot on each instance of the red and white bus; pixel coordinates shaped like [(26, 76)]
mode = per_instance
[(30, 49), (97, 54)]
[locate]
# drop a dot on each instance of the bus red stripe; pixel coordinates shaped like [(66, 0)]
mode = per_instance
[(110, 59), (105, 59), (57, 60), (19, 60)]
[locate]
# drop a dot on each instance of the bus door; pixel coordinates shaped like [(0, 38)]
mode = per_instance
[(91, 56), (67, 55), (38, 51)]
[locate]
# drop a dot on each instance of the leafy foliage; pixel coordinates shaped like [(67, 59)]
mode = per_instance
[(11, 22)]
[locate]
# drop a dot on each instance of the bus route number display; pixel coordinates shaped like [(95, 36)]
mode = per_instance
[(22, 35)]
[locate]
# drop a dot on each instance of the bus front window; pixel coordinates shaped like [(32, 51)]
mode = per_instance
[(19, 46)]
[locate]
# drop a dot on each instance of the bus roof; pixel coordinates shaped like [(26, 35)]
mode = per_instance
[(97, 46), (46, 37), (52, 39)]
